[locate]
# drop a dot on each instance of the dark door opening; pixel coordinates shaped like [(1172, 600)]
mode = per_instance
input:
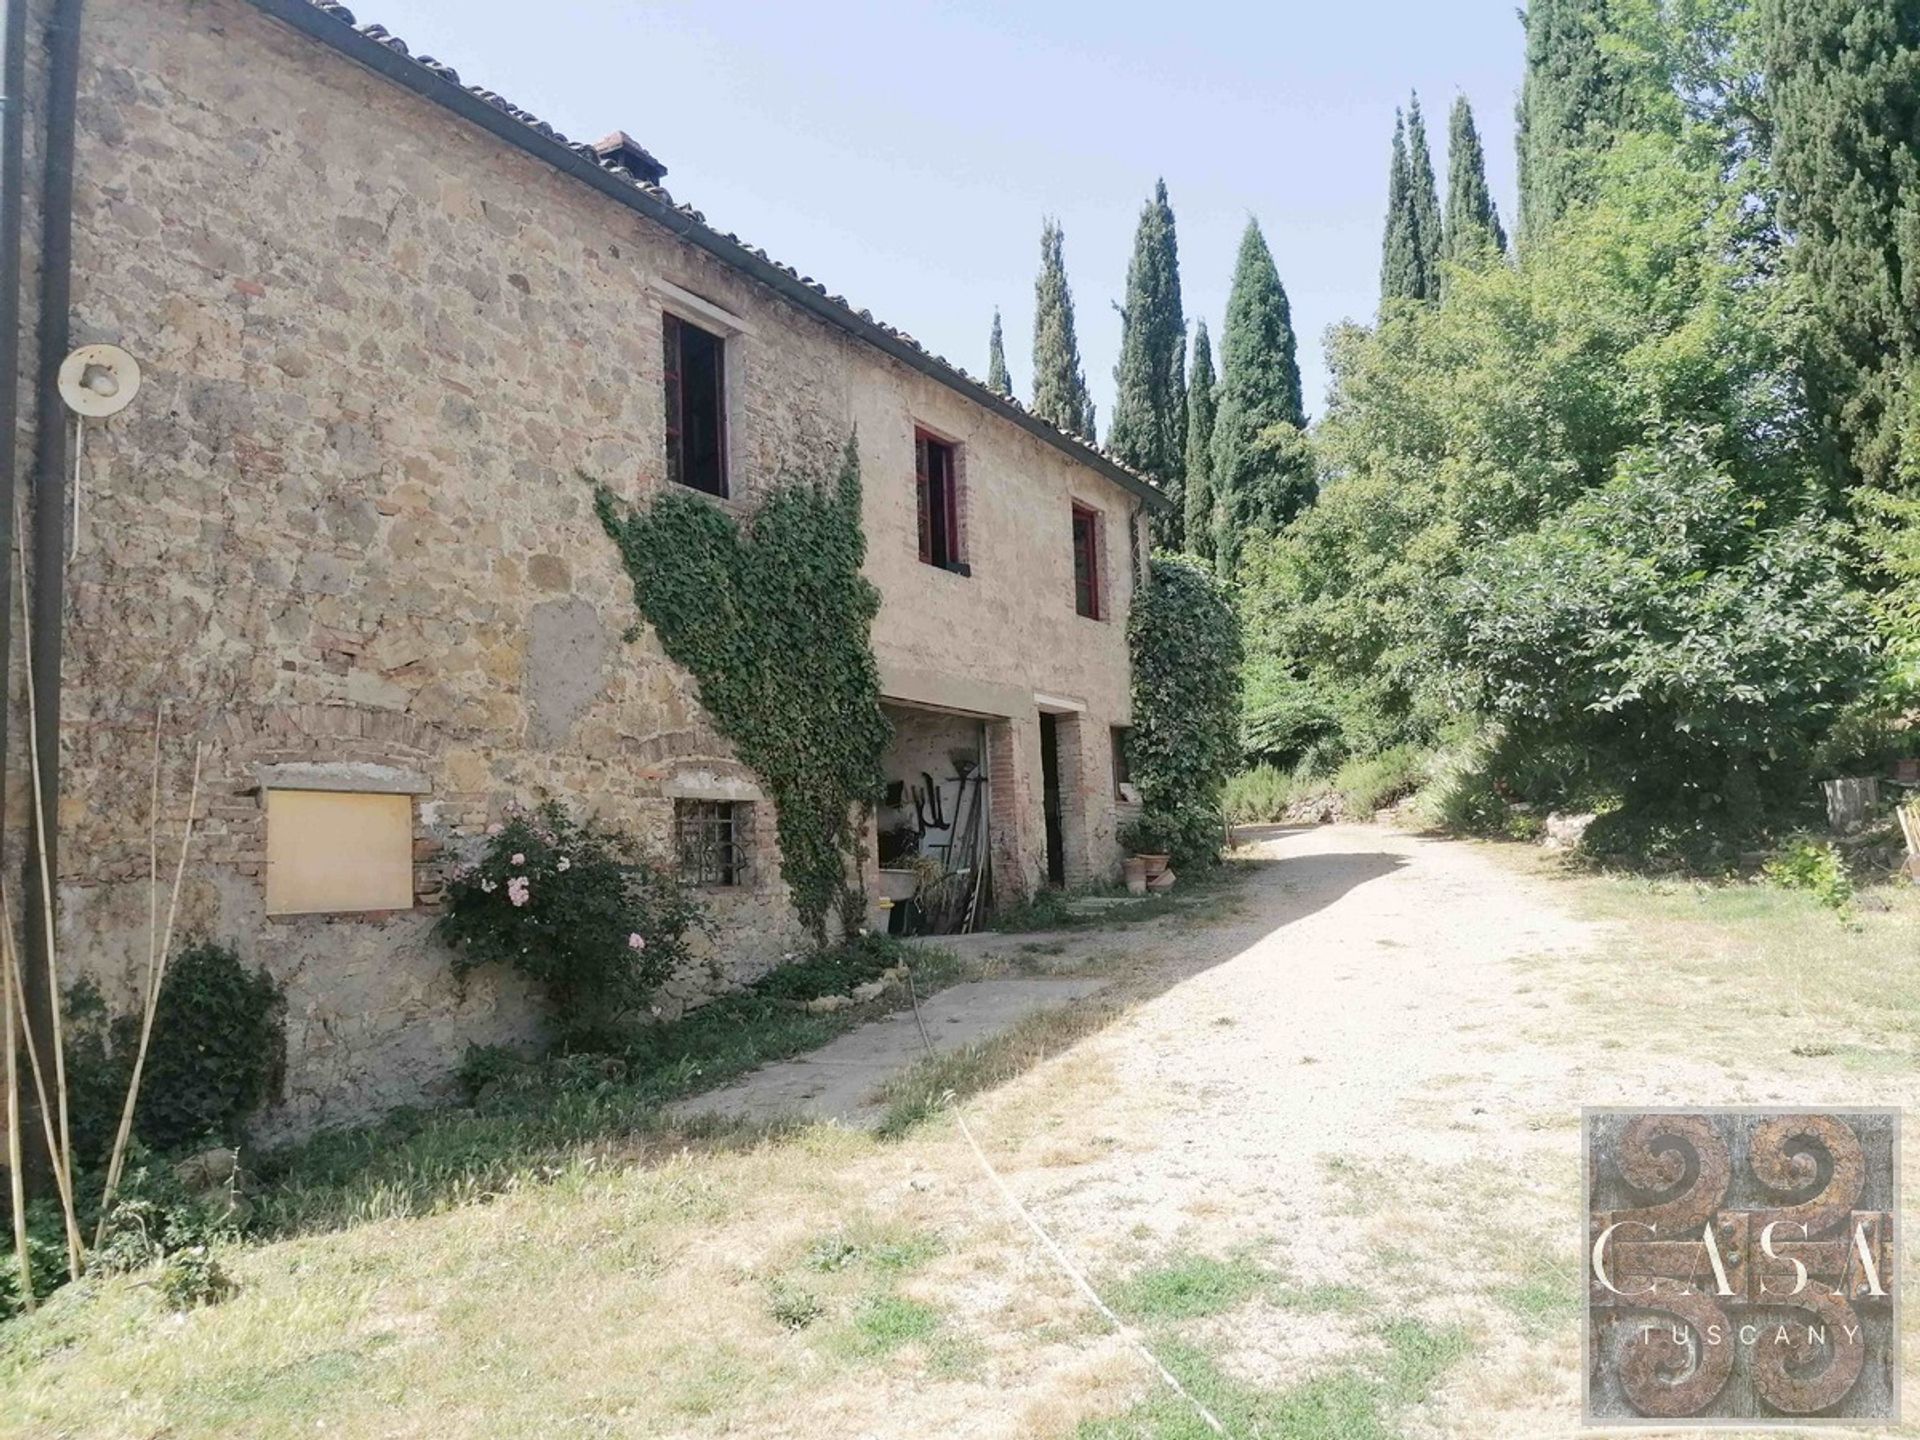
[(1050, 799)]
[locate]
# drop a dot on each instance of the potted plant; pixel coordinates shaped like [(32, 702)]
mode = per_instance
[(1150, 842)]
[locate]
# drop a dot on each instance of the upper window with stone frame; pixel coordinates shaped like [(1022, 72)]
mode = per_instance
[(694, 363), (937, 471)]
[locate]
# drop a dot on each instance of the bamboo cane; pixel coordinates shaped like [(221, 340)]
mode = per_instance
[(63, 1156), (62, 1180), (157, 972), (15, 1175)]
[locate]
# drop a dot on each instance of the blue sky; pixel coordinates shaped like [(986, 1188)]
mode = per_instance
[(904, 154)]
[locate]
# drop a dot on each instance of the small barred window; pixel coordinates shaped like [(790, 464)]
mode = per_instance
[(712, 838)]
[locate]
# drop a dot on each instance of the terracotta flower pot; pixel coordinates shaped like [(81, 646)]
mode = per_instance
[(1155, 865), (1134, 870)]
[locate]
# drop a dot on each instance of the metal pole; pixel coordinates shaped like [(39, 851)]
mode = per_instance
[(49, 492)]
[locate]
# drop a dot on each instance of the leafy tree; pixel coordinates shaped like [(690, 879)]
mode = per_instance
[(1637, 328), (1473, 229), (1201, 402), (997, 377), (1184, 638), (1686, 642), (1261, 474), (1843, 98), (1149, 426), (1059, 382)]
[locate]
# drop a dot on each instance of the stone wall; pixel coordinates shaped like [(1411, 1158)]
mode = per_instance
[(346, 521)]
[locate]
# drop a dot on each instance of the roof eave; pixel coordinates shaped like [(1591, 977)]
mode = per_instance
[(342, 37)]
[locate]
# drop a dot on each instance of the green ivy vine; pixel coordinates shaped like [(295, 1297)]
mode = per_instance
[(774, 619), (1185, 641)]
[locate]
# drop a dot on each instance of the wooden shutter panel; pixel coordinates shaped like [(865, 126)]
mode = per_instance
[(670, 368), (920, 488)]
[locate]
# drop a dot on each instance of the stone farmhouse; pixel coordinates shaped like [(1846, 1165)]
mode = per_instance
[(385, 321)]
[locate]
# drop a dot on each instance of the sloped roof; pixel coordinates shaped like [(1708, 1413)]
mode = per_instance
[(373, 46)]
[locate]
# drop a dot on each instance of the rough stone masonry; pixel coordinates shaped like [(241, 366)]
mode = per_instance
[(345, 524)]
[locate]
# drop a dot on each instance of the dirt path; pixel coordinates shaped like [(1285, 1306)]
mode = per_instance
[(1369, 1075), (1332, 1076)]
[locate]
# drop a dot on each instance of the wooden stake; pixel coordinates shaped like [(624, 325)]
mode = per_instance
[(62, 1180), (62, 1155), (156, 976), (15, 1162)]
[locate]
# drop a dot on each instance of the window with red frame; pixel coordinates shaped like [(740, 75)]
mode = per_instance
[(937, 477), (696, 375), (1086, 562)]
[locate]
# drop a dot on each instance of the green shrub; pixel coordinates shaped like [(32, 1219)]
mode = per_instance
[(1815, 867), (154, 1215), (1689, 640), (1184, 638), (1373, 782), (1150, 834), (217, 1056), (572, 907), (1282, 716), (219, 1050), (46, 1254), (1260, 796), (193, 1277)]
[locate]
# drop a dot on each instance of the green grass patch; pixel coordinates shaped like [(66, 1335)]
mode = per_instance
[(1361, 1401), (883, 1250), (1322, 1299), (1060, 910), (1542, 1303), (883, 1323), (1187, 1286)]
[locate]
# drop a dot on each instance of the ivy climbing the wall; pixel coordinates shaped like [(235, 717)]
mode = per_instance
[(1185, 642), (774, 618)]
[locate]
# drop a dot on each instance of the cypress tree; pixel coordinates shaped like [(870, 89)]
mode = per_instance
[(997, 377), (1423, 197), (1259, 475), (1201, 402), (1843, 91), (1059, 384), (1149, 427), (1410, 251), (1400, 247), (1843, 88), (1573, 101), (1473, 228)]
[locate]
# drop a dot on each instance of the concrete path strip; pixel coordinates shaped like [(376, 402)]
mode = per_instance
[(840, 1080)]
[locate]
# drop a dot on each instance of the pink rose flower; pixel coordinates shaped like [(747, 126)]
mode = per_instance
[(636, 941), (519, 859), (495, 828), (519, 890), (564, 865)]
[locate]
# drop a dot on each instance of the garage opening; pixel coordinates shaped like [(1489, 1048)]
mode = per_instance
[(933, 822)]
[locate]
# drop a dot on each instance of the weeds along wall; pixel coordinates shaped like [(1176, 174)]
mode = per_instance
[(774, 619)]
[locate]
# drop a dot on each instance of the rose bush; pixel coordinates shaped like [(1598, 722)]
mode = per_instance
[(576, 909)]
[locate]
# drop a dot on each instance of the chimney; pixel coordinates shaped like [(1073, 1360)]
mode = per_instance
[(626, 152)]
